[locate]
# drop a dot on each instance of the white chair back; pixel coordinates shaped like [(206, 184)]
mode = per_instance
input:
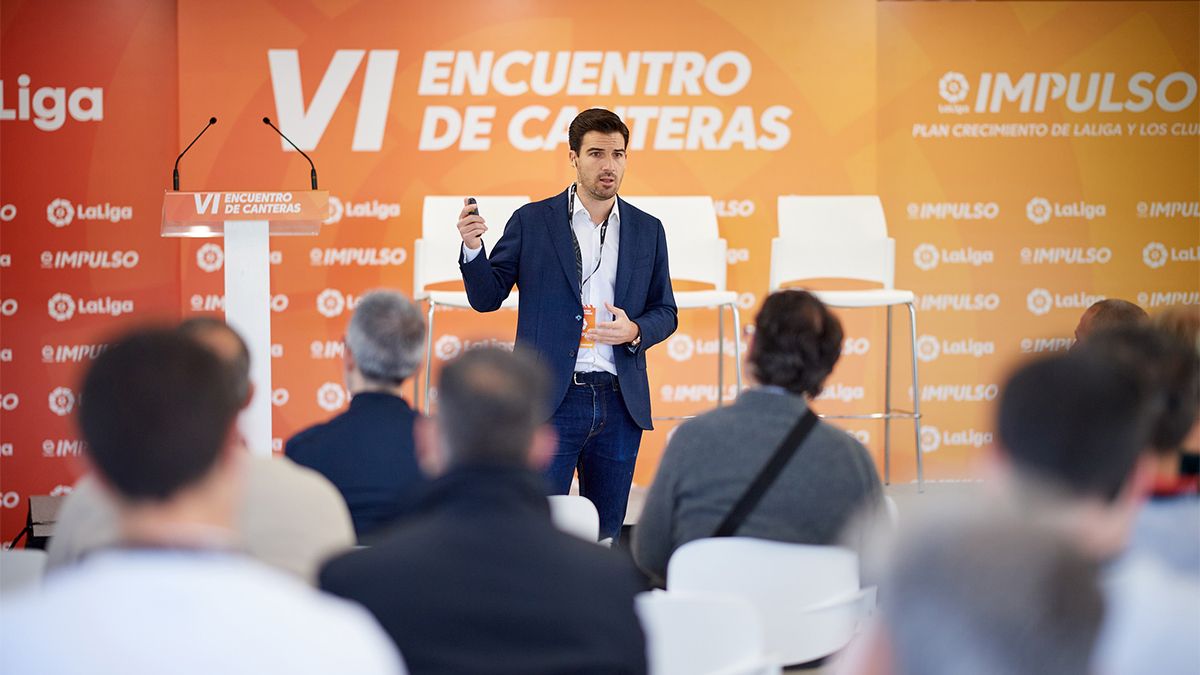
[(21, 568), (702, 634), (575, 515), (808, 597), (435, 254), (694, 244), (825, 258), (831, 217)]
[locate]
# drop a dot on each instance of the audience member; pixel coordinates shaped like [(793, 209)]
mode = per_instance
[(1168, 525), (479, 580), (985, 595), (1073, 429), (158, 414), (367, 451), (1106, 314), (289, 516), (712, 460), (1183, 321)]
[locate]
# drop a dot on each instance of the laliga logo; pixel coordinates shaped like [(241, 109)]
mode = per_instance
[(1038, 211), (331, 396), (1154, 255), (953, 87), (1039, 301), (210, 257), (447, 347), (928, 348), (925, 257), (61, 307), (931, 438), (681, 347), (62, 401), (60, 212), (336, 210), (331, 303)]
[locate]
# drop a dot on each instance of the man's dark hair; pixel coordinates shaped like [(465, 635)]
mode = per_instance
[(1077, 422), (490, 402), (595, 119), (156, 409), (797, 341), (1173, 368), (199, 326), (1111, 313)]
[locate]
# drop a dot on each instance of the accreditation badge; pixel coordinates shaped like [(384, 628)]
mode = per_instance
[(589, 323)]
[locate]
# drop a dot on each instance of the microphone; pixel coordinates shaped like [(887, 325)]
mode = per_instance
[(175, 173), (313, 175)]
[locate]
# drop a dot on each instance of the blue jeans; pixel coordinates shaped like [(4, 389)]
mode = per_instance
[(597, 436)]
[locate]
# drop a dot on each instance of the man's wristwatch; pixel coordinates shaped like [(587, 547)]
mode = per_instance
[(637, 341)]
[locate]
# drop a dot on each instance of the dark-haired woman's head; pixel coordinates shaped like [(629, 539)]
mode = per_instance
[(797, 341)]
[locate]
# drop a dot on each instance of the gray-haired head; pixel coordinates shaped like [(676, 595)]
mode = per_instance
[(490, 403), (991, 597), (386, 336)]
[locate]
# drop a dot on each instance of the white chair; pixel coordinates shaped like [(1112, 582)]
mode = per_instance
[(808, 597), (702, 634), (698, 254), (845, 237), (575, 515), (21, 568), (436, 255)]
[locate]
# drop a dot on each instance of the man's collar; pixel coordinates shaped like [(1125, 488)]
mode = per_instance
[(614, 216)]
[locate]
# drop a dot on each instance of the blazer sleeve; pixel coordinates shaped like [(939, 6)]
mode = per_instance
[(660, 317), (489, 279)]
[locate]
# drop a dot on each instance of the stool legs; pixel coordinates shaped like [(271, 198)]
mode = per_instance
[(887, 404), (428, 357), (720, 355), (912, 321)]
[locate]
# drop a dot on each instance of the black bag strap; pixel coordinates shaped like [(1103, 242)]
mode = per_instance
[(791, 443)]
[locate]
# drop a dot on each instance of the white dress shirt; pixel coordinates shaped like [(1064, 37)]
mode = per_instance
[(600, 287)]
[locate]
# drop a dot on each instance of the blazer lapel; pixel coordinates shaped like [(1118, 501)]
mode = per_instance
[(557, 222), (625, 252)]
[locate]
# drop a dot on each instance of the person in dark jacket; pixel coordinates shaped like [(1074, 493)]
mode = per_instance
[(477, 579), (367, 451)]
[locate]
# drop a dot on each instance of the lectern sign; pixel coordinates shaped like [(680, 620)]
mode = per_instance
[(203, 214)]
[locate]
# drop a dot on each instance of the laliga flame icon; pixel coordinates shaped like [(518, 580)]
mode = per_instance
[(447, 347), (61, 307), (1039, 301), (681, 347), (60, 212), (925, 257), (210, 257), (1038, 211), (1154, 255), (953, 87), (335, 210), (331, 303), (928, 348), (62, 401), (331, 396), (931, 438)]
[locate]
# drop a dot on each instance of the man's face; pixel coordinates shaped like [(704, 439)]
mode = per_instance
[(600, 164)]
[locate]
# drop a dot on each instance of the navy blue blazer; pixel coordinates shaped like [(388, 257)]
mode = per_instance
[(536, 253), (367, 453)]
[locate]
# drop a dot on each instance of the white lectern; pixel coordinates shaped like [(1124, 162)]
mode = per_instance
[(247, 221)]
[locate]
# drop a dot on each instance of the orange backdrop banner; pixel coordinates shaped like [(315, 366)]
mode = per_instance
[(1031, 158)]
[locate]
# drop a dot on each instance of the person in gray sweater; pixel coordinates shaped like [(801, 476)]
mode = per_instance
[(712, 459)]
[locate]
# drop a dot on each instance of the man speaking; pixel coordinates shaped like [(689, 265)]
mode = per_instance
[(595, 295)]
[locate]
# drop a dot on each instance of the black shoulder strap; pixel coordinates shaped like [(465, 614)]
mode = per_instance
[(791, 443)]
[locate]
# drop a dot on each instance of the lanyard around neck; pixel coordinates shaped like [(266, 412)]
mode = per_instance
[(575, 239)]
